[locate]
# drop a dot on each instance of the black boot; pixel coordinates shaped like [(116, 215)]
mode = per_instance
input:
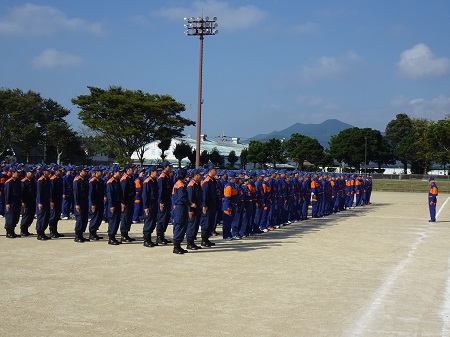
[(24, 232), (80, 238), (54, 232), (177, 249), (206, 242), (192, 246), (125, 237), (42, 237), (161, 239), (10, 234), (112, 240), (93, 236), (148, 241)]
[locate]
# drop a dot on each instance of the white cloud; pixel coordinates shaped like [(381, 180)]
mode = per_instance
[(435, 108), (308, 28), (52, 58), (326, 67), (229, 18), (419, 62), (33, 20)]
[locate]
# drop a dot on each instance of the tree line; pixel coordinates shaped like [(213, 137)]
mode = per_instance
[(120, 122)]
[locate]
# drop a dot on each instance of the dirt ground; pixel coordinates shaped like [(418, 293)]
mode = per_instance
[(378, 270)]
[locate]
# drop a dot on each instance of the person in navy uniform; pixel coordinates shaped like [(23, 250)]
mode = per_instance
[(13, 203), (96, 202), (247, 219), (114, 196), (229, 205), (138, 181), (432, 199), (180, 211), (195, 195), (150, 205), (56, 193), (81, 200), (209, 204), (67, 202), (128, 194), (28, 195), (164, 202), (43, 203)]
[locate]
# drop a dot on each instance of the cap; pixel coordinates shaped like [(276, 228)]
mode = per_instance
[(166, 163), (232, 174), (431, 179), (126, 167)]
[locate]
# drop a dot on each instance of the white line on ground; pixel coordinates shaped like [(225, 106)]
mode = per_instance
[(442, 207), (377, 299)]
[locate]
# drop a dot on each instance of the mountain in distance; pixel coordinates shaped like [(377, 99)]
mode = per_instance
[(322, 132)]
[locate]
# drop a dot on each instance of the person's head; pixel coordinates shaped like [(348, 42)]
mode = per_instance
[(196, 175), (29, 172), (431, 181), (45, 171), (83, 172), (166, 166), (181, 174), (16, 173)]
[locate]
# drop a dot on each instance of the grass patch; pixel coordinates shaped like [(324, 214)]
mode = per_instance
[(409, 185)]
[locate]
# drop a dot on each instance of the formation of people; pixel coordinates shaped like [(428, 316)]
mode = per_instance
[(194, 201)]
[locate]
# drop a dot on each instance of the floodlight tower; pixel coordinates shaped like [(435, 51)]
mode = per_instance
[(200, 27)]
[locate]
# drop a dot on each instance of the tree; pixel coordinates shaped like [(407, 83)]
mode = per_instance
[(216, 158), (25, 118), (232, 158), (257, 153), (300, 148), (396, 130), (244, 158), (349, 146), (128, 120), (164, 145), (274, 152), (62, 137), (440, 140), (181, 151), (204, 157), (192, 158)]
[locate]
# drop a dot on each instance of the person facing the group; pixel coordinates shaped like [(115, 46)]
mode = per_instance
[(432, 199)]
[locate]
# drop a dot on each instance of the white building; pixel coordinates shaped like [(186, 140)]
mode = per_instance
[(152, 154)]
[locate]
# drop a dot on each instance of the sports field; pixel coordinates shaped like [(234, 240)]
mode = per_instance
[(378, 270)]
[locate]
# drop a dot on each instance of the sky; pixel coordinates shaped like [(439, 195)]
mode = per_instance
[(272, 64)]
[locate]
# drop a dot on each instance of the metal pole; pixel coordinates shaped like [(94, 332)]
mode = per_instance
[(199, 105), (365, 157)]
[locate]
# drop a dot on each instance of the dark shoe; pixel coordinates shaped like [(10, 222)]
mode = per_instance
[(431, 220), (148, 241), (125, 238), (54, 232), (42, 237), (192, 246), (93, 236), (10, 234), (206, 242), (80, 238), (25, 233), (112, 240), (161, 239), (56, 235), (178, 250)]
